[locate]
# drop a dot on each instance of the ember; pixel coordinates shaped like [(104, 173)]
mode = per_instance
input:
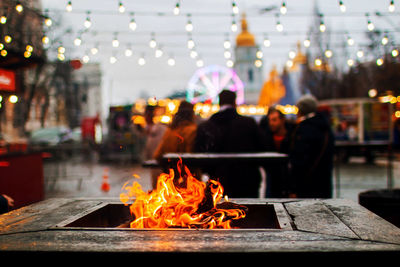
[(181, 201)]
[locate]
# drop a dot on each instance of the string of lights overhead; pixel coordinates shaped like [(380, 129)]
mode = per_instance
[(189, 29)]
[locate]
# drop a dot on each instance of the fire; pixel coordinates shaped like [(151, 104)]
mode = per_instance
[(181, 201)]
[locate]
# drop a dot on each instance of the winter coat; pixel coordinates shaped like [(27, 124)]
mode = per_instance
[(180, 140), (229, 132), (311, 158)]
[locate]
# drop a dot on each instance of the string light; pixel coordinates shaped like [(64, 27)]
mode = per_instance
[(121, 7), (342, 7), (283, 8), (279, 26), (45, 39), (8, 39), (158, 53), (227, 44), (395, 53), (199, 63), (3, 53), (259, 54), (94, 50), (227, 54), (141, 60), (132, 23), (152, 42), (266, 41), (234, 26), (292, 54), (1, 46), (350, 62), (193, 54), (19, 7), (190, 43), (322, 26), (307, 42), (360, 53), (78, 41), (113, 59), (350, 41), (229, 63), (370, 25), (379, 61), (385, 40), (3, 19), (86, 59), (69, 6), (317, 62), (61, 49), (328, 53), (47, 21), (87, 22), (115, 42), (171, 61), (177, 8), (258, 63), (235, 8), (189, 25), (391, 6)]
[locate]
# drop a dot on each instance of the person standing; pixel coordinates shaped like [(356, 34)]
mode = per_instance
[(277, 135), (228, 132), (180, 135), (311, 152)]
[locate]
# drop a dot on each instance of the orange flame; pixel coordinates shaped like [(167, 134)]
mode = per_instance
[(180, 202)]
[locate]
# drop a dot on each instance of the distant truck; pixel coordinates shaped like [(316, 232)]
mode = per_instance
[(361, 126)]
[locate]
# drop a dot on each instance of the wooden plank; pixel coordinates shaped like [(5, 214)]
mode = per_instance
[(314, 216), (42, 215), (366, 224)]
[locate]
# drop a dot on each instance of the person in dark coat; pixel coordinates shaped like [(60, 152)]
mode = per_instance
[(311, 153), (277, 132), (228, 132)]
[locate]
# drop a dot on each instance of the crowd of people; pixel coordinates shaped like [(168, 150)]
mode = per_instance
[(308, 142)]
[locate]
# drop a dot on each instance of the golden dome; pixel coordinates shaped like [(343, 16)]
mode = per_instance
[(245, 38)]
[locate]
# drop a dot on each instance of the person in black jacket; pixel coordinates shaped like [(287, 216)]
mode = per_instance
[(277, 135), (311, 152), (228, 132)]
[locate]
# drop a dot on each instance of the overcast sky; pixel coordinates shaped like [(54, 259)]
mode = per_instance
[(125, 81)]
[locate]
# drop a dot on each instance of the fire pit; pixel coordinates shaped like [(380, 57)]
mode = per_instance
[(96, 227), (117, 216)]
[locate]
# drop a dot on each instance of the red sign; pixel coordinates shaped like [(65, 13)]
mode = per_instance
[(7, 80)]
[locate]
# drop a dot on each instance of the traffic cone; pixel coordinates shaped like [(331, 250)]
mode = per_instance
[(105, 186)]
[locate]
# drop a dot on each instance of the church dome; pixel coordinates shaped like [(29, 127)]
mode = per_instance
[(245, 38)]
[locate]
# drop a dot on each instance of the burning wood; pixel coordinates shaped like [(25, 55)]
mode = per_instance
[(181, 201)]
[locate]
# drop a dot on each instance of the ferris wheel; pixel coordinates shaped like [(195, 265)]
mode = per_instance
[(208, 82)]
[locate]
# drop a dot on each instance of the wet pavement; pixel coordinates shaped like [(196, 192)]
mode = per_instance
[(81, 178)]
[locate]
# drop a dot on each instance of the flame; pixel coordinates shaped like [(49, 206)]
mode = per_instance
[(180, 201)]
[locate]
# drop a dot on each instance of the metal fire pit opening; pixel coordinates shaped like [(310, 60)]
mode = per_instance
[(272, 228), (113, 215)]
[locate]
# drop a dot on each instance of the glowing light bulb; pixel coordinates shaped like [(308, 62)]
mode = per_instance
[(128, 52), (77, 41), (115, 42), (45, 39), (141, 61), (229, 63), (189, 26), (152, 43), (7, 39), (370, 26), (235, 8), (3, 53), (395, 53), (279, 26), (227, 54), (190, 44), (69, 6), (19, 7), (328, 53), (121, 7), (158, 53), (193, 54), (391, 6), (322, 27), (132, 24), (234, 26), (292, 54), (283, 8), (87, 23), (267, 42), (342, 7), (360, 53), (171, 61), (227, 44), (85, 59), (318, 62), (94, 50), (307, 43), (177, 9), (379, 61), (350, 41), (3, 19), (258, 63), (199, 63), (113, 60), (61, 50), (385, 40)]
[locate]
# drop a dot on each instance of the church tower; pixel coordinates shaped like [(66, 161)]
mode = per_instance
[(247, 66)]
